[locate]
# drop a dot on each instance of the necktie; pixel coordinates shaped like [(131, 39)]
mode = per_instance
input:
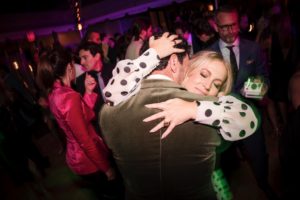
[(101, 84), (99, 87), (233, 63)]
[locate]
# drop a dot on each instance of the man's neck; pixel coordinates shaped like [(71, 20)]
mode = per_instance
[(162, 73), (236, 42), (159, 77), (97, 67), (95, 71), (142, 37)]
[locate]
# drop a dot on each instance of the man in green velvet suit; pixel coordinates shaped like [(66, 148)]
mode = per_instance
[(177, 167)]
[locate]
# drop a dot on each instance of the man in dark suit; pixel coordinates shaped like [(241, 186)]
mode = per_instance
[(177, 167), (91, 59), (246, 61)]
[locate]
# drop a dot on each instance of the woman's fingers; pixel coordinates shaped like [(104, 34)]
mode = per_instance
[(173, 112), (173, 37), (151, 40), (177, 41), (157, 127), (165, 34), (178, 50), (164, 45), (168, 131), (160, 106), (154, 117), (162, 125)]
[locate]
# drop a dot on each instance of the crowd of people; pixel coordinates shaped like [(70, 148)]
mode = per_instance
[(161, 114)]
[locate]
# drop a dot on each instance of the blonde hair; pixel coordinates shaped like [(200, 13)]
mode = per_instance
[(202, 58)]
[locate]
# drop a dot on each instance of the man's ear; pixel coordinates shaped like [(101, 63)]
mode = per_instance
[(98, 55), (69, 66), (174, 63), (143, 33)]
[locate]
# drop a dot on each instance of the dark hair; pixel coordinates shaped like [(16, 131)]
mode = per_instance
[(92, 47), (164, 61), (181, 25), (203, 27), (103, 35), (52, 66)]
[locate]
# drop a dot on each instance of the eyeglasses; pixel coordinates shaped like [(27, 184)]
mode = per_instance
[(226, 27)]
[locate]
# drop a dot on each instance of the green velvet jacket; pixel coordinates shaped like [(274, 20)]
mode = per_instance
[(177, 167)]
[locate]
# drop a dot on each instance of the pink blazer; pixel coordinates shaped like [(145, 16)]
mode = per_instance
[(86, 152)]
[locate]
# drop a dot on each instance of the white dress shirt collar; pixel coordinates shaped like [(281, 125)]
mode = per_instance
[(159, 76), (223, 44)]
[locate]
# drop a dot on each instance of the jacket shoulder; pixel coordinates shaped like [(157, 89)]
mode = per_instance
[(249, 43), (214, 46)]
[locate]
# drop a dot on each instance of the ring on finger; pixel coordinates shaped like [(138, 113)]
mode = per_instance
[(166, 124)]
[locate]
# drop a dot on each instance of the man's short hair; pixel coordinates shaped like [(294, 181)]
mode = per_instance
[(164, 61), (226, 9), (93, 47)]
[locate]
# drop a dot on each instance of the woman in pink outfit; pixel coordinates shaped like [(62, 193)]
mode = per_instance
[(86, 153)]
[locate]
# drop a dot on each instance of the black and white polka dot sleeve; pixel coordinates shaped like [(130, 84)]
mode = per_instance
[(127, 77), (235, 119)]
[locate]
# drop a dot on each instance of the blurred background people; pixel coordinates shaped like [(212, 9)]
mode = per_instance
[(140, 31), (19, 124), (290, 141)]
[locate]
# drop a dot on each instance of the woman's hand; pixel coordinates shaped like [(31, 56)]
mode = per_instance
[(89, 83), (110, 174), (174, 112), (164, 46), (264, 89), (43, 102)]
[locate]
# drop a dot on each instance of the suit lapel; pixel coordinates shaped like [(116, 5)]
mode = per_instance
[(244, 52), (215, 47)]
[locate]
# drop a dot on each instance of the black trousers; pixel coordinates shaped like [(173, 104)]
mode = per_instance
[(102, 188), (254, 151)]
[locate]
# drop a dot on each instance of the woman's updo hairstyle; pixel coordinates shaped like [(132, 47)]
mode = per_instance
[(52, 66)]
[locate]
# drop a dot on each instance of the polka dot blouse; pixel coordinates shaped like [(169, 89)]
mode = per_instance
[(234, 118), (127, 77)]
